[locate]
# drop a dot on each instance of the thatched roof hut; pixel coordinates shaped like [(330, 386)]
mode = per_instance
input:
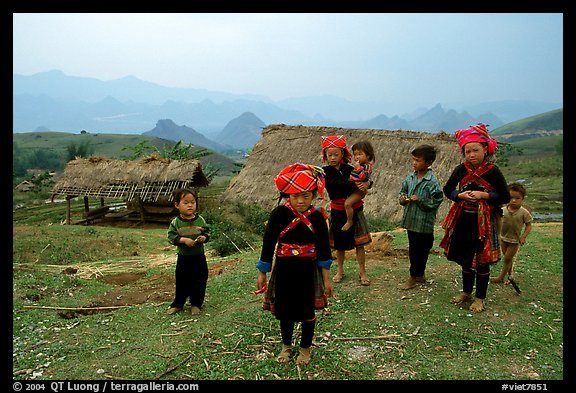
[(148, 181), (149, 178), (282, 145)]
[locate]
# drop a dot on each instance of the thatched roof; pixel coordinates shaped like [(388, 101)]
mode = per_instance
[(148, 178), (282, 145)]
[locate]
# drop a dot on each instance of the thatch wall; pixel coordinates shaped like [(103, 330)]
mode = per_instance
[(149, 179), (282, 145)]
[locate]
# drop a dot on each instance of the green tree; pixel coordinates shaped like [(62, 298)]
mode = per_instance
[(138, 150), (18, 161), (560, 147), (178, 151), (82, 149), (505, 151), (37, 158)]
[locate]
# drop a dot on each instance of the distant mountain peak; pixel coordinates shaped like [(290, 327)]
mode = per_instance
[(242, 132), (165, 123), (247, 116), (167, 129)]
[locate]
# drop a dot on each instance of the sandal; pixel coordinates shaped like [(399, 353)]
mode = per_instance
[(477, 305), (284, 355), (303, 357), (462, 297)]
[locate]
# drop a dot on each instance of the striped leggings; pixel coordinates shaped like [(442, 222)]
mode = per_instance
[(481, 276)]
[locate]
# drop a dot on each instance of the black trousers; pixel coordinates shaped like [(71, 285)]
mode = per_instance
[(287, 330), (191, 280), (419, 246), (481, 276)]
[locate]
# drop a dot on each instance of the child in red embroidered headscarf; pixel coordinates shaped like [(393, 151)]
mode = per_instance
[(297, 235), (471, 237), (339, 187)]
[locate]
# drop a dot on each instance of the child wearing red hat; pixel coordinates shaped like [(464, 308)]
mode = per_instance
[(296, 237), (339, 187), (478, 189)]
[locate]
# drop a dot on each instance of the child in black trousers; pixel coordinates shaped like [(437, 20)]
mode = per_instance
[(189, 232)]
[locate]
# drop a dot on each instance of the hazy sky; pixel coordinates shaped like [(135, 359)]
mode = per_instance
[(415, 59)]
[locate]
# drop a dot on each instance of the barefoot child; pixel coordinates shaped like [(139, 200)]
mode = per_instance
[(296, 236), (189, 232), (478, 189), (364, 159), (339, 187), (421, 196), (516, 217)]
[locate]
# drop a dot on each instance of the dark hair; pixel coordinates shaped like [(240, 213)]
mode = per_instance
[(487, 156), (283, 195), (180, 193), (366, 147), (428, 152), (518, 188)]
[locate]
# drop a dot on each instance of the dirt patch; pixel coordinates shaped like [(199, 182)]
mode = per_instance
[(133, 285), (122, 278), (134, 288), (359, 353)]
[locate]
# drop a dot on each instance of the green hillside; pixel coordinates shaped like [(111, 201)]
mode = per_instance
[(542, 146), (548, 123), (107, 145)]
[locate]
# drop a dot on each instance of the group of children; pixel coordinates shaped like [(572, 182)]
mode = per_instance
[(299, 237)]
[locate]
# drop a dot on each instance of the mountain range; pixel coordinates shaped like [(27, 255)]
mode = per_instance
[(53, 101)]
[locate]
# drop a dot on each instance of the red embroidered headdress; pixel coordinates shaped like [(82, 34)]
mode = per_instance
[(300, 177), (477, 133), (336, 141)]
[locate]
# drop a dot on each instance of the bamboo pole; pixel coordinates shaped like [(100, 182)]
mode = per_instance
[(76, 308), (368, 338)]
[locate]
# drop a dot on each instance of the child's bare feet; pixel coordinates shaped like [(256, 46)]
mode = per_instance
[(173, 310), (338, 277), (347, 226), (477, 305), (509, 280), (462, 297), (364, 280), (496, 280)]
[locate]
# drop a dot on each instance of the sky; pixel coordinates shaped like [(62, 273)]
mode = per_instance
[(411, 59)]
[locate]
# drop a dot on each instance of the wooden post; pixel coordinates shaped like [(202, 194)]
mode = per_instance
[(140, 207), (68, 221)]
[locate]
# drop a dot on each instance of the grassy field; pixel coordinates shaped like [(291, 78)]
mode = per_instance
[(89, 303), (541, 169)]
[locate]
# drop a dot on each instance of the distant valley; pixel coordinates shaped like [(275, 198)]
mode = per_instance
[(53, 101)]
